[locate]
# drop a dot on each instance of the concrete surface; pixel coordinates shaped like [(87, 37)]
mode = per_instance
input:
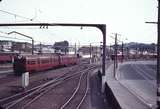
[(140, 96), (140, 79)]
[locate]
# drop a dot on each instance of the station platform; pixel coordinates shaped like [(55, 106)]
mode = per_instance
[(119, 95)]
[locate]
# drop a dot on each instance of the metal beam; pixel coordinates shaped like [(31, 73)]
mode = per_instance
[(25, 36), (102, 27), (158, 58), (51, 24)]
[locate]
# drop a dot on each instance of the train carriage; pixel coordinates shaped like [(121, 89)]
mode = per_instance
[(64, 60), (68, 60), (34, 63), (31, 64), (45, 62), (19, 65), (6, 57), (55, 61)]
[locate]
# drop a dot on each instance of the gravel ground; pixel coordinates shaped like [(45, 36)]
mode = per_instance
[(55, 98), (10, 84), (94, 100)]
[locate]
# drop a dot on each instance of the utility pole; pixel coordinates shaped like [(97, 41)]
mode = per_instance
[(136, 52), (12, 46), (75, 52), (96, 51), (90, 51), (2, 47), (40, 51), (127, 50), (122, 51), (101, 53), (32, 46), (115, 54), (110, 52), (158, 58)]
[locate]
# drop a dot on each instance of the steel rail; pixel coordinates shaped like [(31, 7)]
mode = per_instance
[(45, 91), (38, 89), (54, 85), (78, 107), (51, 87), (28, 91), (76, 91)]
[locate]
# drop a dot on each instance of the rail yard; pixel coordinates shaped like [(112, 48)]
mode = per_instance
[(83, 54), (65, 88)]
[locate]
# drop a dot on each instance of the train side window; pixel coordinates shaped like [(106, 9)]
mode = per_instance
[(31, 62), (38, 61), (45, 61)]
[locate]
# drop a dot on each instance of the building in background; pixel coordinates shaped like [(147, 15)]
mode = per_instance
[(5, 45)]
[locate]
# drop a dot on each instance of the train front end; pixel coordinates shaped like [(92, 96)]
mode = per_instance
[(19, 65)]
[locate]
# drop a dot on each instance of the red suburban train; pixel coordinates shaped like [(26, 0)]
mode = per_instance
[(6, 57), (34, 63)]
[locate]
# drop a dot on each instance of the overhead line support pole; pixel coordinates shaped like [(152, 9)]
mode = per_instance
[(116, 51), (158, 58), (32, 46), (122, 51), (75, 48), (103, 29), (158, 55), (90, 54), (115, 55)]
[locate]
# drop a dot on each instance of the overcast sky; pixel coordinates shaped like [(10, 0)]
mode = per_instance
[(126, 17)]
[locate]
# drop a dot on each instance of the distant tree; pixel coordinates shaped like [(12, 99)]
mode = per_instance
[(61, 46), (141, 46)]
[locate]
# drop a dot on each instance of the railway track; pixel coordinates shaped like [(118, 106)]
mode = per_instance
[(12, 84), (24, 99), (78, 96)]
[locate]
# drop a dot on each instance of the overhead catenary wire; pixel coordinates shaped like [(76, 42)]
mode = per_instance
[(22, 39), (3, 32), (14, 38), (19, 38), (16, 15), (20, 16)]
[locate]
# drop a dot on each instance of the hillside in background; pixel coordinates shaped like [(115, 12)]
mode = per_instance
[(140, 46)]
